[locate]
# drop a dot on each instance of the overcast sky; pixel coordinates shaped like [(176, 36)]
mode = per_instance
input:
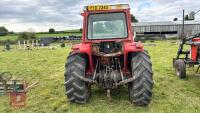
[(40, 15)]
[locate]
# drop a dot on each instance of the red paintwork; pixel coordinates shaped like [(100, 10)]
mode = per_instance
[(194, 49), (84, 48), (131, 47), (128, 43)]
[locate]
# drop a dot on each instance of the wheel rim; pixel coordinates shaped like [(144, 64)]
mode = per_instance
[(177, 71)]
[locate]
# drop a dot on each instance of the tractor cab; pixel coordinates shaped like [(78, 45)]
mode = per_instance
[(107, 23)]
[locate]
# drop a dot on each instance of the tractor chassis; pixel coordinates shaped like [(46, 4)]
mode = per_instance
[(92, 80)]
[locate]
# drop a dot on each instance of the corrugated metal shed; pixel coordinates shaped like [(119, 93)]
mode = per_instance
[(153, 23), (191, 27)]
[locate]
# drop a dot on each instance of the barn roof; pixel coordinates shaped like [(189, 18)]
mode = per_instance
[(165, 23)]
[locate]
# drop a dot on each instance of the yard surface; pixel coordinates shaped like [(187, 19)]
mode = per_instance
[(171, 95)]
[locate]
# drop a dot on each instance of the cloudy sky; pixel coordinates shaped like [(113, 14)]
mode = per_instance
[(40, 15)]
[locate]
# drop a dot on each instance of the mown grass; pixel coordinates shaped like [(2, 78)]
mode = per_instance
[(38, 35), (9, 37), (171, 95)]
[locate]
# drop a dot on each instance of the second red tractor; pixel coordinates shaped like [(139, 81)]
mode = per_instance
[(190, 57)]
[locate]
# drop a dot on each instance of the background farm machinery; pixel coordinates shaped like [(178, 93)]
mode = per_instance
[(190, 57), (15, 88)]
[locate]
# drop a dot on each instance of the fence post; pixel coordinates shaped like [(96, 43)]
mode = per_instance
[(19, 43), (32, 43), (24, 44)]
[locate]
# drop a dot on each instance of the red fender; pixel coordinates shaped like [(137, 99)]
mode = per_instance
[(86, 49), (194, 49), (130, 47)]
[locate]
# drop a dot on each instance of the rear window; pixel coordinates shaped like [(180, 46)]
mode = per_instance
[(107, 26)]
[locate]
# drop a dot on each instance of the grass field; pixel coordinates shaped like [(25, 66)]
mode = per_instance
[(171, 95), (15, 37)]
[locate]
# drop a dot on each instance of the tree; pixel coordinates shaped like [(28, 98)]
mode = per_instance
[(52, 30), (133, 18), (11, 32), (81, 29), (3, 31), (26, 36)]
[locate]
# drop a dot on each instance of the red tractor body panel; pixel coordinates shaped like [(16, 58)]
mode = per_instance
[(87, 49), (131, 47), (128, 43), (194, 49)]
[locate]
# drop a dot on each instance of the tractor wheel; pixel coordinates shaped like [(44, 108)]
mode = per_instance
[(77, 90), (140, 90), (180, 68)]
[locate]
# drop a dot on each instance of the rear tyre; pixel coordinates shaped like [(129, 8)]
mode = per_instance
[(140, 90), (180, 68), (77, 90)]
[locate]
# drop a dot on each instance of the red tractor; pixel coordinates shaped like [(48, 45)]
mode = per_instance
[(190, 58), (108, 57)]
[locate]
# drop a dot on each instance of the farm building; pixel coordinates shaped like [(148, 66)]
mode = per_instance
[(168, 27)]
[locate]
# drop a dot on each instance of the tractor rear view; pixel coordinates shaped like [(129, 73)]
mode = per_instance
[(108, 57)]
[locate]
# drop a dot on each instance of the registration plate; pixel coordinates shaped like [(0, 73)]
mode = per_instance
[(99, 7)]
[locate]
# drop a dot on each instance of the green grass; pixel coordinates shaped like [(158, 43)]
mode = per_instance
[(58, 34), (171, 95), (9, 37), (15, 37)]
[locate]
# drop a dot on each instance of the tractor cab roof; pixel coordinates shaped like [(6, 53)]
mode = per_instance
[(92, 8)]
